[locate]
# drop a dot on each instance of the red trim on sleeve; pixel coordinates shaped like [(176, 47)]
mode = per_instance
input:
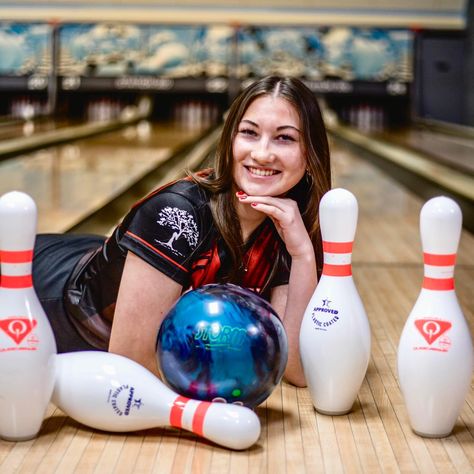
[(144, 242)]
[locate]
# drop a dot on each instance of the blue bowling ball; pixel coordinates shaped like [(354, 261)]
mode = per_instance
[(223, 343)]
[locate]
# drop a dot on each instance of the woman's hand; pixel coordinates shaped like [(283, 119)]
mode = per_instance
[(287, 219)]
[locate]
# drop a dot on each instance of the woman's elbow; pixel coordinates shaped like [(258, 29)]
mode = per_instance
[(298, 380)]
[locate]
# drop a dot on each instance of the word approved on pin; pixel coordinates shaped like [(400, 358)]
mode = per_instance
[(335, 333), (435, 354), (27, 345), (113, 393)]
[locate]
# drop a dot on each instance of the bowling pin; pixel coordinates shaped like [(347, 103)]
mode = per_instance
[(113, 393), (335, 332), (27, 345), (435, 354)]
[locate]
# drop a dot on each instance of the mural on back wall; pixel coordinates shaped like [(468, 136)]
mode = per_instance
[(190, 51), (321, 53), (25, 49), (167, 51), (117, 50)]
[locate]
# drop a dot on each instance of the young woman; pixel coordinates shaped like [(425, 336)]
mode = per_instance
[(252, 220)]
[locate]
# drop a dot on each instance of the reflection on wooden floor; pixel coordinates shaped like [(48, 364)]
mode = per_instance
[(453, 151), (374, 437), (69, 182)]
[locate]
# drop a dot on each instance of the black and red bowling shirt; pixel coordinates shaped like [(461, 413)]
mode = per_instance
[(173, 230)]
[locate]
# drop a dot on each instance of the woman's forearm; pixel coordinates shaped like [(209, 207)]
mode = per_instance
[(303, 280)]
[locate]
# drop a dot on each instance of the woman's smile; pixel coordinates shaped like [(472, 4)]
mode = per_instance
[(261, 172)]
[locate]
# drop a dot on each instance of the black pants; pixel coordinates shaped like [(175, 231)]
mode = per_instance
[(55, 256)]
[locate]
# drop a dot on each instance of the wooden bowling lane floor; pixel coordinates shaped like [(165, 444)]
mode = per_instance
[(374, 438), (71, 181), (22, 128), (451, 150)]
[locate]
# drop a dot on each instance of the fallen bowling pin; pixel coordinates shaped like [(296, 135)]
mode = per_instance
[(335, 331), (27, 345), (435, 354), (113, 393)]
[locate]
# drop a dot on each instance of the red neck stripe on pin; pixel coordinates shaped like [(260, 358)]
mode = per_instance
[(439, 260), (337, 247), (176, 414), (177, 409), (337, 270), (438, 284), (199, 416), (16, 282), (16, 256)]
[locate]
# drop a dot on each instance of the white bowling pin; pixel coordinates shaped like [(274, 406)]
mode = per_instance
[(113, 393), (27, 345), (435, 355), (335, 332)]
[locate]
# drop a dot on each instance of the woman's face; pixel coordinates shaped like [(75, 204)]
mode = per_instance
[(268, 148)]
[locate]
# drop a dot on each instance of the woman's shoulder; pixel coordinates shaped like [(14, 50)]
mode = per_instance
[(184, 190), (185, 186)]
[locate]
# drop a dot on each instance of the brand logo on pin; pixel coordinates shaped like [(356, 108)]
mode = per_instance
[(432, 329), (17, 328), (123, 400), (319, 311)]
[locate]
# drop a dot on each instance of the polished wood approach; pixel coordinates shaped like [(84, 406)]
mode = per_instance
[(449, 149), (375, 437), (71, 181)]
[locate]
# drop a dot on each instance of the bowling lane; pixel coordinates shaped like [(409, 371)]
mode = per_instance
[(27, 128), (71, 181), (417, 169), (388, 230), (453, 150)]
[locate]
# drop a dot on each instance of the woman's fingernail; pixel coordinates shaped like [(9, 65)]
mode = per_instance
[(241, 194), (254, 204)]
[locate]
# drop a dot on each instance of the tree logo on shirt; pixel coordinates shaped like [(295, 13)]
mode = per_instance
[(181, 223)]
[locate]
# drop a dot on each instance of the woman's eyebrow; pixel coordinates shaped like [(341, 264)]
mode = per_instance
[(281, 127), (249, 121), (288, 126)]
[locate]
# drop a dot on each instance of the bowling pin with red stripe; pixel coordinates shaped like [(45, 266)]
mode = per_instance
[(27, 345), (435, 354), (113, 393), (335, 332)]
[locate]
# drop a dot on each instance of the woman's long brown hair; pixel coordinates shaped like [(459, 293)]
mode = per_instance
[(307, 193)]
